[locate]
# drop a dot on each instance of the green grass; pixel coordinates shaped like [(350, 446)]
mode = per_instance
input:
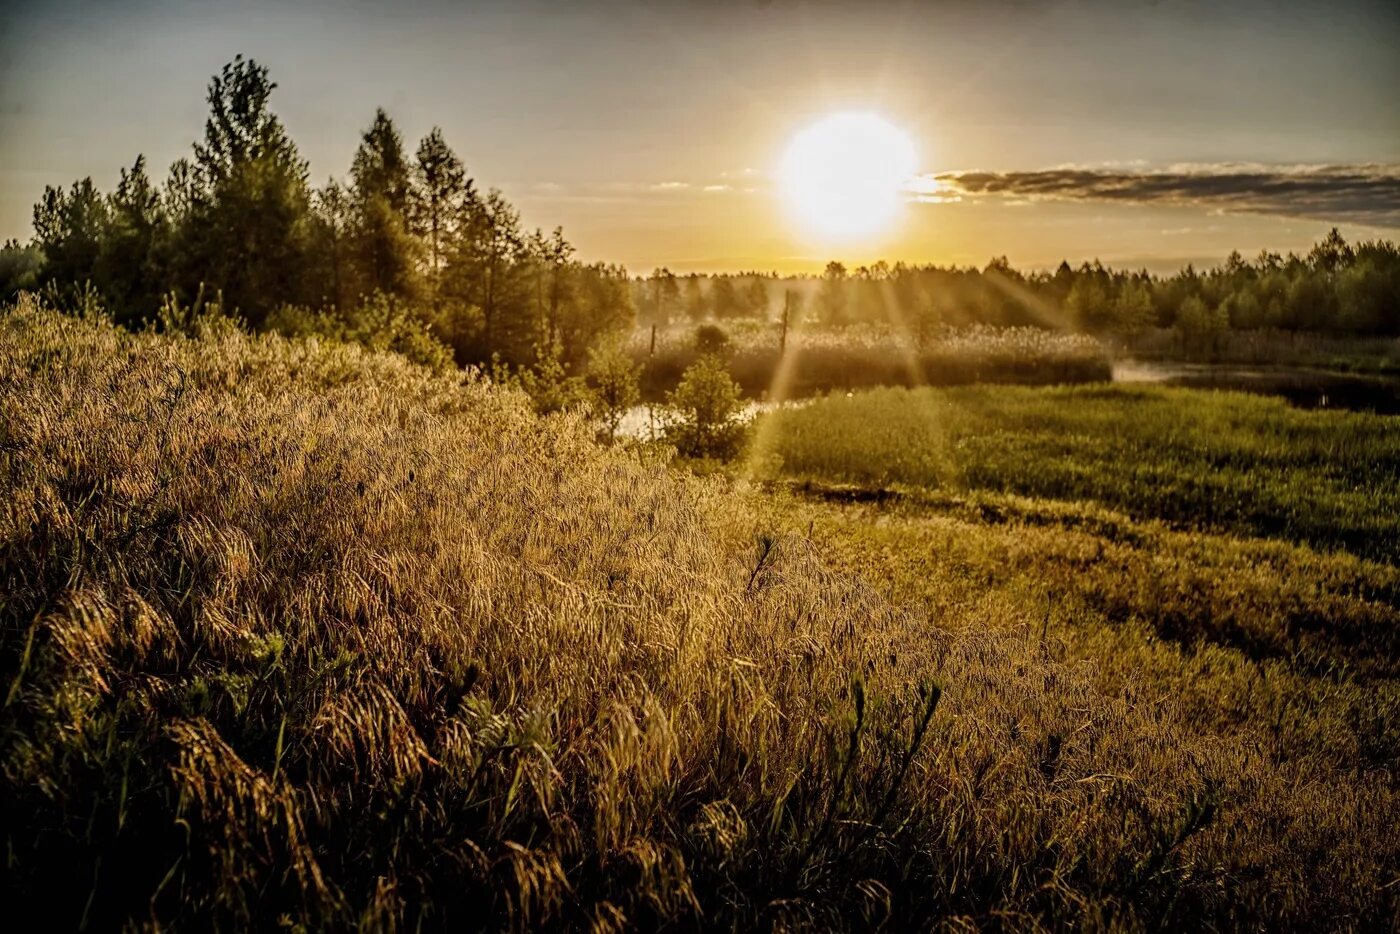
[(1221, 564), (1213, 460), (1363, 355)]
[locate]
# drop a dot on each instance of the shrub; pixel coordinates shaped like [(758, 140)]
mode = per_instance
[(379, 323), (613, 376), (706, 405), (549, 385), (711, 339)]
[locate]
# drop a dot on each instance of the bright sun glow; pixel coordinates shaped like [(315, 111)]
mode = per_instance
[(844, 176)]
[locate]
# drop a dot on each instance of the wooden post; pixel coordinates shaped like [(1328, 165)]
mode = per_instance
[(787, 306), (651, 409)]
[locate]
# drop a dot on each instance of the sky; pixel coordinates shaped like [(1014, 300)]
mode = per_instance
[(1136, 132)]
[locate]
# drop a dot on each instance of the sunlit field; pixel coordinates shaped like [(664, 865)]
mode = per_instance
[(1221, 564), (663, 466), (1217, 461), (314, 634)]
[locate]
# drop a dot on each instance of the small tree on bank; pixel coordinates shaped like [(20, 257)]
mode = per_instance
[(614, 380), (1201, 328), (707, 405)]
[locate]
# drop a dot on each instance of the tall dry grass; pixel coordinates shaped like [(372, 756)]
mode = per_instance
[(297, 634), (297, 631)]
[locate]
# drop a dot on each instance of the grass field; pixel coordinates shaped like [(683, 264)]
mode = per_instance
[(1215, 567), (1375, 355), (1218, 461), (295, 634)]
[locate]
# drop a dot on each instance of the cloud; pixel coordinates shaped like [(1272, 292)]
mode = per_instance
[(1365, 194), (670, 186)]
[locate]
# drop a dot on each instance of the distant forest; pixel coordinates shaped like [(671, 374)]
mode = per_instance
[(1337, 288), (408, 253)]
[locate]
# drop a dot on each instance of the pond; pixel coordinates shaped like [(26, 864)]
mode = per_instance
[(645, 422), (1305, 388)]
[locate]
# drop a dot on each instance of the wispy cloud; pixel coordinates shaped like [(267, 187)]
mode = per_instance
[(1367, 194)]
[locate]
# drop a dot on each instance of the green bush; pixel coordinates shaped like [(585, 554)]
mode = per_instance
[(613, 377), (706, 406), (379, 323)]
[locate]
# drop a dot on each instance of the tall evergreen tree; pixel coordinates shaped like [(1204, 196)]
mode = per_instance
[(381, 186), (69, 227), (664, 294), (441, 190), (487, 271), (130, 268), (331, 228), (601, 305), (697, 305), (834, 295), (246, 222), (553, 279)]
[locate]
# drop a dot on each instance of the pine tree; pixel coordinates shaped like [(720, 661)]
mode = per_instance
[(487, 271), (69, 227), (696, 305), (333, 218), (834, 295), (441, 189), (384, 249), (554, 285), (130, 272), (756, 297), (246, 219), (664, 295)]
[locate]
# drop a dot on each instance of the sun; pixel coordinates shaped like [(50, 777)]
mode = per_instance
[(843, 177)]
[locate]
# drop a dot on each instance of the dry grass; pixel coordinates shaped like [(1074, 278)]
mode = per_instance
[(1164, 660), (296, 633)]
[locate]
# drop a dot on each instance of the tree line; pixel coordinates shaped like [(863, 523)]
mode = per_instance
[(406, 252), (407, 244), (1336, 288)]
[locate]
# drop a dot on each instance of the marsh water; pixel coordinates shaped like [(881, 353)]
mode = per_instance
[(1304, 388)]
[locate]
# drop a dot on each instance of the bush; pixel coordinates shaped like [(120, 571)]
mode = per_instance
[(549, 385), (379, 323), (706, 405), (711, 339), (613, 376)]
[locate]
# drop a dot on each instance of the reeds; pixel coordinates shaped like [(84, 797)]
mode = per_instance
[(816, 361)]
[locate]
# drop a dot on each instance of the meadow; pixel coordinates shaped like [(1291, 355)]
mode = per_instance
[(1273, 347), (1219, 461), (1221, 565), (295, 633)]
